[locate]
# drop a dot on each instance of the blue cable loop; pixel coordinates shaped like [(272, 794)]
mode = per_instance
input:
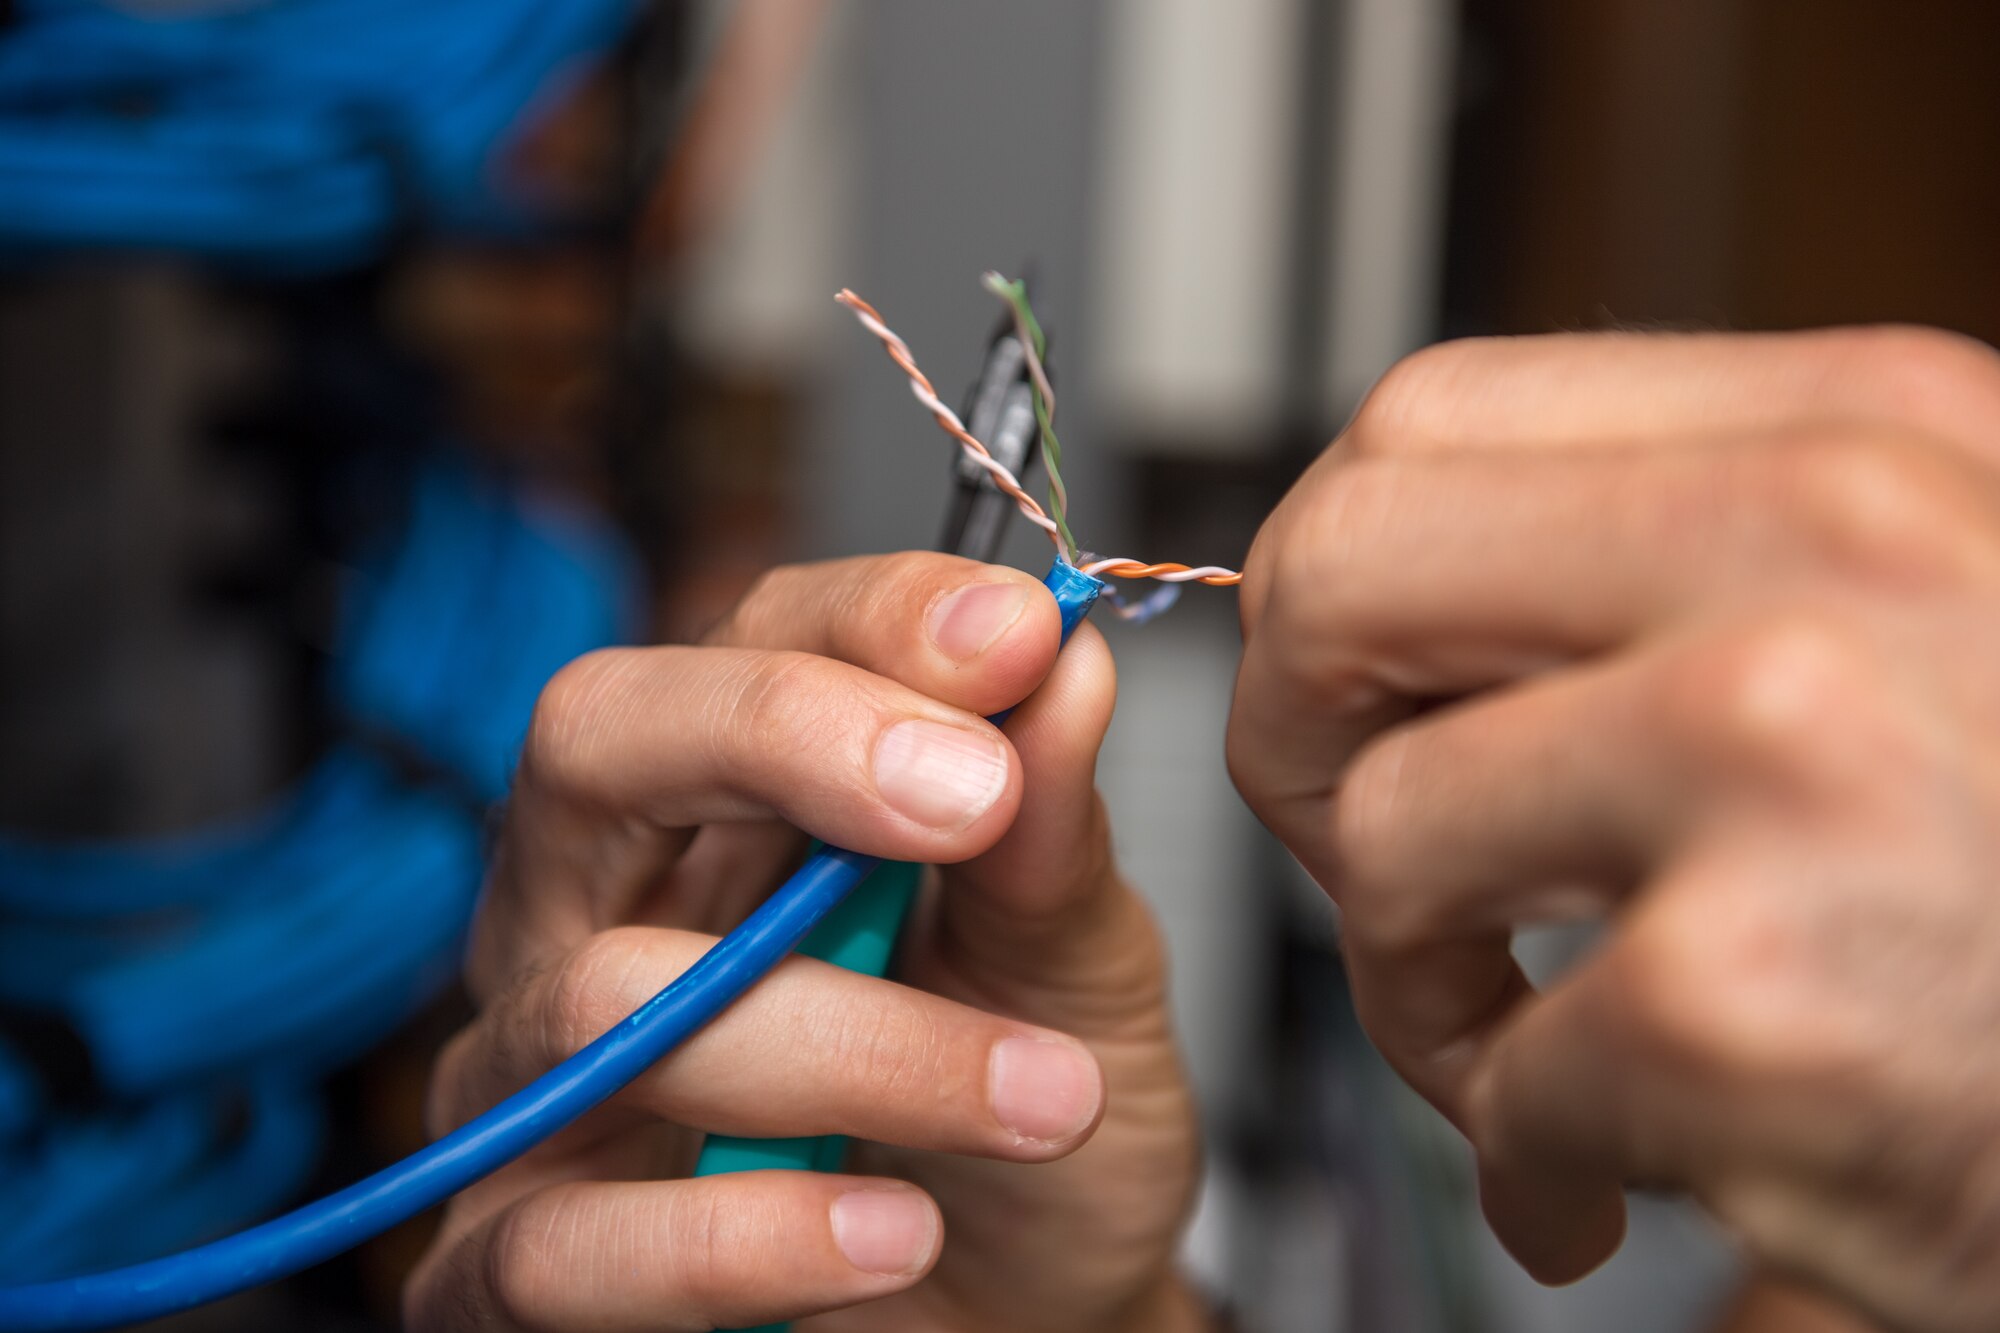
[(285, 137), (329, 1226), (294, 136), (264, 951)]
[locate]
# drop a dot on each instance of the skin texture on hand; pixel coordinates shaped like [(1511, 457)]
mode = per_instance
[(1773, 1307), (1698, 635), (1024, 1148)]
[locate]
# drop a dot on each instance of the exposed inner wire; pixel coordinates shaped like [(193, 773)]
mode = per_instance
[(925, 393), (1035, 345), (1124, 567)]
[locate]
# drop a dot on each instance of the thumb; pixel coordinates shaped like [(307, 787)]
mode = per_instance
[(1042, 925)]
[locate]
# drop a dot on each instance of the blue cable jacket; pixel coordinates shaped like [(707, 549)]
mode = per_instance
[(270, 949), (288, 135), (329, 1226), (322, 1229)]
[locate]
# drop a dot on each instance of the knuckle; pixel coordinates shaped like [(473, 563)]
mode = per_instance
[(1669, 1009), (900, 1049), (899, 571), (1489, 1107), (1769, 700), (524, 1287), (1714, 984), (1357, 500), (894, 592), (747, 621), (585, 992), (1886, 507), (1412, 400), (1910, 367), (707, 1237), (783, 701), (1483, 1109), (1286, 549), (832, 595), (574, 708), (795, 604), (1365, 840), (1345, 513), (1771, 1215)]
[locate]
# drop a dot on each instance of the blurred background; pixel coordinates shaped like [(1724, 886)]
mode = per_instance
[(362, 362)]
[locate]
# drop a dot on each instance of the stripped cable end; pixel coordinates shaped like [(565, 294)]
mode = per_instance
[(1057, 527)]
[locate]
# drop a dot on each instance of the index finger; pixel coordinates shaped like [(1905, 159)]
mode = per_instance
[(778, 715), (1608, 390), (1563, 393), (975, 636)]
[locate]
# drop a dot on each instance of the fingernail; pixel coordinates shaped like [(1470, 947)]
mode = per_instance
[(941, 776), (965, 624), (886, 1231), (1046, 1091)]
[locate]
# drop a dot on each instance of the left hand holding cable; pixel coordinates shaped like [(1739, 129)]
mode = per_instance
[(657, 799)]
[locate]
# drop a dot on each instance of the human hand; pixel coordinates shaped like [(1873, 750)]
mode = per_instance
[(1698, 634), (657, 801), (1764, 1306)]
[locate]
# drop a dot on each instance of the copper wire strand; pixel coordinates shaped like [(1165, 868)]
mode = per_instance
[(925, 393), (1124, 567), (1024, 333)]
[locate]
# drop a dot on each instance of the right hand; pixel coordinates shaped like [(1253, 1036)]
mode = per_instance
[(1699, 635)]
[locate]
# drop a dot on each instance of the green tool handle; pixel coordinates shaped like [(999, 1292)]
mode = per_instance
[(859, 935)]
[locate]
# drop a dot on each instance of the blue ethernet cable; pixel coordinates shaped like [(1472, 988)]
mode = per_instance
[(255, 952), (292, 137), (329, 1226)]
